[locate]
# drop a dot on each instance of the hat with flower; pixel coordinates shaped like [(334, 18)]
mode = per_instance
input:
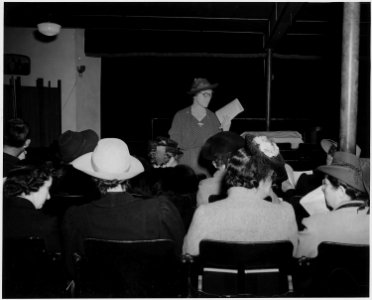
[(265, 148)]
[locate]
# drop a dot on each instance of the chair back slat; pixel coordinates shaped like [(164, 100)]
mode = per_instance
[(246, 255), (244, 268)]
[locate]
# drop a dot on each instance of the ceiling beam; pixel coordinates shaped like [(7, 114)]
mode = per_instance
[(280, 20)]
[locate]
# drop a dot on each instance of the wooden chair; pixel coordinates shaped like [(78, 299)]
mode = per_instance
[(135, 268), (242, 269), (340, 270), (29, 271)]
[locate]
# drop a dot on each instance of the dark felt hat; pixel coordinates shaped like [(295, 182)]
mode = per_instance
[(345, 167), (201, 84), (221, 143), (73, 144), (264, 147)]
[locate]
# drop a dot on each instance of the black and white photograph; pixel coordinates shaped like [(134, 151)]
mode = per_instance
[(186, 149)]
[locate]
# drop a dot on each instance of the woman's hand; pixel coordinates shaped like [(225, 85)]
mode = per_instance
[(226, 123)]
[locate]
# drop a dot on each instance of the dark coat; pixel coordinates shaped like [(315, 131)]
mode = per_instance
[(9, 163), (22, 219), (120, 216)]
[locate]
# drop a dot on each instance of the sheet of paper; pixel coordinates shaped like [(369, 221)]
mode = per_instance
[(230, 110), (314, 202)]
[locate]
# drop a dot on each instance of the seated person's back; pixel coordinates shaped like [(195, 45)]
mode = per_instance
[(345, 189), (117, 214), (244, 215)]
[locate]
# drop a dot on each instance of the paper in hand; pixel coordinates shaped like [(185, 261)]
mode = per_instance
[(230, 110)]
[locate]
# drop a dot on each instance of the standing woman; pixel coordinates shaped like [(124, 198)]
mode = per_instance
[(193, 125)]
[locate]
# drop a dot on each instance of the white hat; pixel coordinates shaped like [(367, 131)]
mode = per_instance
[(110, 160)]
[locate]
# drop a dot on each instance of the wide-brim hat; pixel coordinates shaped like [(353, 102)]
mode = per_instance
[(345, 167), (327, 144), (73, 144), (221, 143), (201, 84), (110, 160)]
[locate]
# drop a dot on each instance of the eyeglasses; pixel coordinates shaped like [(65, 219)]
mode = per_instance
[(206, 94)]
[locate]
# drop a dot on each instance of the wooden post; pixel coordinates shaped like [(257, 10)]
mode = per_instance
[(349, 74), (268, 88)]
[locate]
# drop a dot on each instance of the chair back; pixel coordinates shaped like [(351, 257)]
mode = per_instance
[(29, 271), (121, 268), (342, 270), (242, 268)]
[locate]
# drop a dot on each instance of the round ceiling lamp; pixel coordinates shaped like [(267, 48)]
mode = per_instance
[(49, 29)]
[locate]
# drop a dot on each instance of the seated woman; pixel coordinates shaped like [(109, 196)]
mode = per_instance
[(164, 153), (218, 150), (117, 215), (25, 191), (244, 215), (345, 190)]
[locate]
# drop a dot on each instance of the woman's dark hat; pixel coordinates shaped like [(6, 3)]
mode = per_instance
[(73, 144), (201, 84), (264, 147), (345, 167), (220, 144)]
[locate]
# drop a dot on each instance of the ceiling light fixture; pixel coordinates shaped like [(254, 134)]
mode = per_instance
[(49, 29)]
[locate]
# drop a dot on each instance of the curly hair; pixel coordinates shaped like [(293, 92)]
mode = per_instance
[(26, 179), (103, 184), (16, 132), (246, 170)]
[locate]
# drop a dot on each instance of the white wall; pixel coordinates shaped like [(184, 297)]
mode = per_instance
[(57, 60)]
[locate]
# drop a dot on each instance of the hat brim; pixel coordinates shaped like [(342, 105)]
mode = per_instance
[(84, 164), (344, 174), (207, 87)]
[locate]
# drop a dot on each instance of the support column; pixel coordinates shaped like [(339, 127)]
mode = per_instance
[(268, 88), (349, 74)]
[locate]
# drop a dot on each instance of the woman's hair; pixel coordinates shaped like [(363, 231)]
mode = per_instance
[(222, 159), (103, 184), (247, 171), (26, 179)]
